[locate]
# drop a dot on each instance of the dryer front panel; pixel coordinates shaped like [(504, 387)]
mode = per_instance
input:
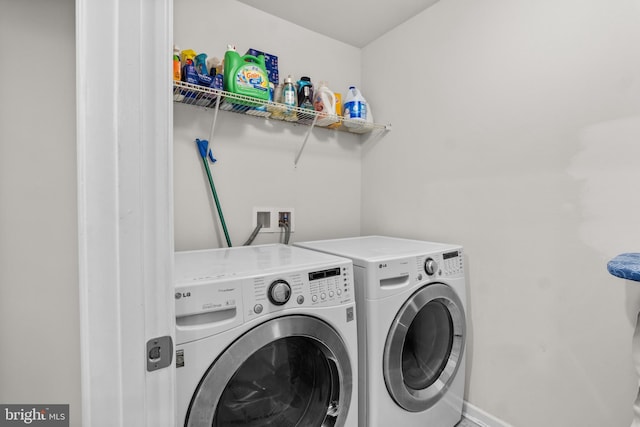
[(424, 347), (289, 371)]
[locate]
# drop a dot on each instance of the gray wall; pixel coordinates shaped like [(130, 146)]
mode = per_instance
[(518, 138), (39, 327)]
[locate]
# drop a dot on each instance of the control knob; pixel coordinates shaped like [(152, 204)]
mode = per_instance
[(430, 266), (279, 292)]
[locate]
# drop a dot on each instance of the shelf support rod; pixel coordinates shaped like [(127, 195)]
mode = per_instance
[(215, 118), (306, 138)]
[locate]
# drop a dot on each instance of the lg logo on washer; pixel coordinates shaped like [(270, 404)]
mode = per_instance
[(180, 295)]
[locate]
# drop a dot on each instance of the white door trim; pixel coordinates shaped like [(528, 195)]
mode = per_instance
[(125, 216)]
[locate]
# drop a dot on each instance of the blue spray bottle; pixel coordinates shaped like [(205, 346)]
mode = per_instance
[(200, 63)]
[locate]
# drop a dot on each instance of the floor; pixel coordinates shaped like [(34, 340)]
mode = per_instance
[(467, 423)]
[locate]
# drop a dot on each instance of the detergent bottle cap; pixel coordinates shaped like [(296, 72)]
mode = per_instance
[(231, 47)]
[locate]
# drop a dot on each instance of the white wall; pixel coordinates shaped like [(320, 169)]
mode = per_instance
[(39, 329), (516, 129), (255, 165)]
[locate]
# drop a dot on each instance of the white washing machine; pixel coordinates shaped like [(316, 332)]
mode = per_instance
[(265, 336), (411, 302)]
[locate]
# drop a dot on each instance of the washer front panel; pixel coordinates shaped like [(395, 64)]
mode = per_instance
[(424, 347), (312, 386)]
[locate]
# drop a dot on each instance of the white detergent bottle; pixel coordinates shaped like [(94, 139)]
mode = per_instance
[(324, 101), (355, 108)]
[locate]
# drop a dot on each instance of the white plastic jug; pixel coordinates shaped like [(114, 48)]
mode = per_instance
[(355, 108), (324, 101)]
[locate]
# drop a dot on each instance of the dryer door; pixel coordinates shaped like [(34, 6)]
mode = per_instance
[(424, 347), (289, 371)]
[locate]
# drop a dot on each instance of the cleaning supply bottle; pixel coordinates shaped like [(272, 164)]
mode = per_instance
[(189, 73), (306, 102), (214, 65), (177, 72), (245, 75), (305, 92), (178, 94), (277, 110), (290, 100), (355, 108), (324, 101), (204, 79), (200, 62), (338, 122)]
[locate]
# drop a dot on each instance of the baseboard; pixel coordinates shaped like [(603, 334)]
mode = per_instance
[(482, 418)]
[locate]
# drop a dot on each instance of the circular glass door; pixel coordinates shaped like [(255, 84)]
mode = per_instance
[(424, 347), (287, 372)]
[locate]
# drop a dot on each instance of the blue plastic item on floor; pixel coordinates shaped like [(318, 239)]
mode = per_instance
[(625, 266)]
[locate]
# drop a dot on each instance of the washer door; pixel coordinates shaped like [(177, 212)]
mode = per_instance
[(289, 371), (424, 347)]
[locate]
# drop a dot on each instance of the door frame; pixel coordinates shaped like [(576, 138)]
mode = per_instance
[(125, 209)]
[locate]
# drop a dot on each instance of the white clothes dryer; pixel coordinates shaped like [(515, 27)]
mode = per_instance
[(265, 336), (411, 302)]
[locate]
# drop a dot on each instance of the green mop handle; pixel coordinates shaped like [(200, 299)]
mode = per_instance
[(203, 148)]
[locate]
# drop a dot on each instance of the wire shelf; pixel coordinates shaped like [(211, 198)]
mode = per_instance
[(200, 96)]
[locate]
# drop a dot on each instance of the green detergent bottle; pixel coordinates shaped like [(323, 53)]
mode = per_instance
[(245, 75)]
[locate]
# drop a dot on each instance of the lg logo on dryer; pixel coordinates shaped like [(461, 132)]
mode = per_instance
[(179, 295), (384, 265)]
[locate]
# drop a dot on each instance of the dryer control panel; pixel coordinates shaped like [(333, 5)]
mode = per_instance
[(322, 287), (452, 263)]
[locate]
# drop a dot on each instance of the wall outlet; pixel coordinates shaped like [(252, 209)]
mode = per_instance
[(272, 219)]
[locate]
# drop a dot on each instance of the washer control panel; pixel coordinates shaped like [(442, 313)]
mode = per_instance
[(445, 264), (322, 287)]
